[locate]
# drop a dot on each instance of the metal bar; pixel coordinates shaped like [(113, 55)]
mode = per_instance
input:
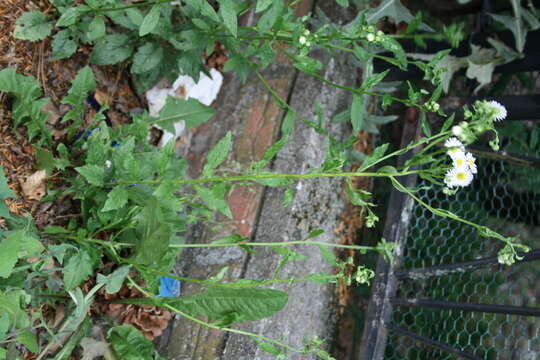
[(433, 343), (374, 336), (449, 305), (440, 270)]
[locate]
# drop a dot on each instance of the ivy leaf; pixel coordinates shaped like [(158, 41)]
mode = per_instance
[(218, 154), (395, 10), (77, 270), (247, 304), (92, 173), (150, 21), (111, 49), (357, 114), (64, 44), (228, 14), (116, 199), (32, 26), (147, 58), (129, 343), (191, 111)]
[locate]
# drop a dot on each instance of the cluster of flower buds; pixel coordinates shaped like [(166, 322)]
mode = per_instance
[(373, 35)]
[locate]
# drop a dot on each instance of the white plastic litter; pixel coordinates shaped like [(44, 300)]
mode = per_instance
[(205, 90)]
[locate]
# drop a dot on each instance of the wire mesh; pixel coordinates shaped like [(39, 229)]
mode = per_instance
[(504, 196)]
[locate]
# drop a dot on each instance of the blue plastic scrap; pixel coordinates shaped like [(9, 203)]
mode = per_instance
[(169, 287)]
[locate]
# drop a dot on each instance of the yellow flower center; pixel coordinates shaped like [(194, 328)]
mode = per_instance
[(461, 176), (471, 162), (460, 162)]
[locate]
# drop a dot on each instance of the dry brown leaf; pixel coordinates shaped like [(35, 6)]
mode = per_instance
[(34, 186), (54, 113)]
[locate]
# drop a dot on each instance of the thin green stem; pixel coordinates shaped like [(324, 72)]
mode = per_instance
[(139, 4), (236, 331), (256, 177), (284, 243)]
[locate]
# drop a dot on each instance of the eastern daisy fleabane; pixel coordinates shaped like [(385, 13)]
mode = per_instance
[(453, 142), (471, 162), (500, 110), (458, 176), (459, 159)]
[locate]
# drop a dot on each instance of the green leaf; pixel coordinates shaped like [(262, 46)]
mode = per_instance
[(394, 10), (64, 44), (371, 159), (114, 281), (214, 198), (262, 5), (116, 199), (28, 339), (246, 304), (269, 18), (343, 3), (5, 193), (218, 154), (81, 85), (357, 114), (191, 111), (111, 49), (77, 270), (374, 80), (425, 124), (129, 343), (147, 58), (96, 29), (71, 16), (328, 255), (9, 250), (32, 26), (92, 173), (150, 21), (11, 303), (269, 348), (228, 14)]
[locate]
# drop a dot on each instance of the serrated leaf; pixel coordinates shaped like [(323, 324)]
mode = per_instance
[(129, 343), (371, 159), (111, 49), (191, 111), (11, 302), (96, 29), (357, 114), (247, 304), (214, 198), (374, 80), (147, 58), (218, 154), (77, 270), (150, 21), (71, 16), (64, 44), (81, 85), (269, 18), (92, 173), (114, 281), (9, 250), (228, 14), (32, 26), (116, 198)]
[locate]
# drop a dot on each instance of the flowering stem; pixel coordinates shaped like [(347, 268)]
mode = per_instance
[(256, 177)]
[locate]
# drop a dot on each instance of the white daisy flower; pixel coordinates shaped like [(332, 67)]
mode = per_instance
[(471, 162), (459, 159), (500, 110), (454, 143), (458, 176)]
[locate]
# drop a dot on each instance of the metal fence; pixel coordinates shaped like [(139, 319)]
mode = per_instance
[(447, 297)]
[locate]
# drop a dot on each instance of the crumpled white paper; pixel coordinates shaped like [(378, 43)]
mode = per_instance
[(205, 90)]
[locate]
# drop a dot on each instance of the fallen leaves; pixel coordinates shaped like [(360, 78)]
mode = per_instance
[(34, 186)]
